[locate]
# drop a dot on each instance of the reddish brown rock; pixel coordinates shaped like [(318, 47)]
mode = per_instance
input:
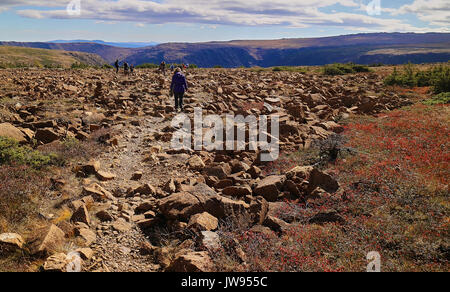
[(46, 135), (81, 215), (92, 167), (270, 187), (9, 131), (105, 176), (237, 191), (47, 241), (192, 262), (203, 222)]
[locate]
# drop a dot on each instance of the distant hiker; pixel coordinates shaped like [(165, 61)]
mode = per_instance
[(184, 66), (131, 68), (178, 88), (125, 68), (162, 68), (172, 68), (116, 64)]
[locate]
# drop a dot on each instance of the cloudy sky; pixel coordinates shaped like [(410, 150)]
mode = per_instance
[(206, 20)]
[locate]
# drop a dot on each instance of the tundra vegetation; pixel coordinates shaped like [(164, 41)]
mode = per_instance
[(86, 166)]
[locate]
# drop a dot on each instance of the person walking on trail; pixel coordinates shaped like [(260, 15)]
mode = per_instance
[(132, 69), (125, 68), (178, 88), (162, 68), (116, 64)]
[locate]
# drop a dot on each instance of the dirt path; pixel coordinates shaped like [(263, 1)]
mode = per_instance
[(119, 242)]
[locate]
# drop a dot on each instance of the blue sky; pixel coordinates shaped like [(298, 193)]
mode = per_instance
[(208, 20)]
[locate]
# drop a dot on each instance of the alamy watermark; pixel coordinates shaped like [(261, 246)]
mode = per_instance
[(374, 265), (374, 8), (73, 262), (236, 133), (74, 8)]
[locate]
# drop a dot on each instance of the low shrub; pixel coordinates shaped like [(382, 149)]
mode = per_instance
[(442, 98), (79, 65), (437, 77), (289, 69), (147, 66), (342, 69), (12, 153), (107, 66)]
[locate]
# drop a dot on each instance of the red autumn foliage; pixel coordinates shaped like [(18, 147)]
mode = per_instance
[(394, 200)]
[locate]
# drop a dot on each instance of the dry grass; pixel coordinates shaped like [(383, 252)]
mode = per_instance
[(26, 191)]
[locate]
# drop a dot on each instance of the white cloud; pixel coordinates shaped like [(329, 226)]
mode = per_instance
[(289, 13), (434, 12)]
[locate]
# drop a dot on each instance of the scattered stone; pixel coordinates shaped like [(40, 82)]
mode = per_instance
[(105, 176), (145, 189), (196, 163), (170, 187), (144, 207), (87, 236), (259, 208), (56, 263), (322, 180), (46, 135), (81, 215), (104, 216), (203, 222), (85, 253), (220, 171), (11, 241), (97, 192), (276, 224), (9, 131), (237, 191), (137, 175), (192, 262), (92, 167), (229, 207), (200, 198), (255, 172), (270, 187), (148, 223), (47, 241), (121, 225)]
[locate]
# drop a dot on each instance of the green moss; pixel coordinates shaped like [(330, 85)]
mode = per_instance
[(442, 98), (13, 153)]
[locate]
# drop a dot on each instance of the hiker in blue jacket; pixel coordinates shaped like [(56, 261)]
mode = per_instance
[(178, 88)]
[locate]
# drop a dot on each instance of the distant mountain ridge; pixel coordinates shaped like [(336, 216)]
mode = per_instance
[(388, 48), (109, 53), (130, 45), (31, 57)]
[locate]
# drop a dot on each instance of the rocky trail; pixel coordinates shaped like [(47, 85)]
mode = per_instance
[(140, 205)]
